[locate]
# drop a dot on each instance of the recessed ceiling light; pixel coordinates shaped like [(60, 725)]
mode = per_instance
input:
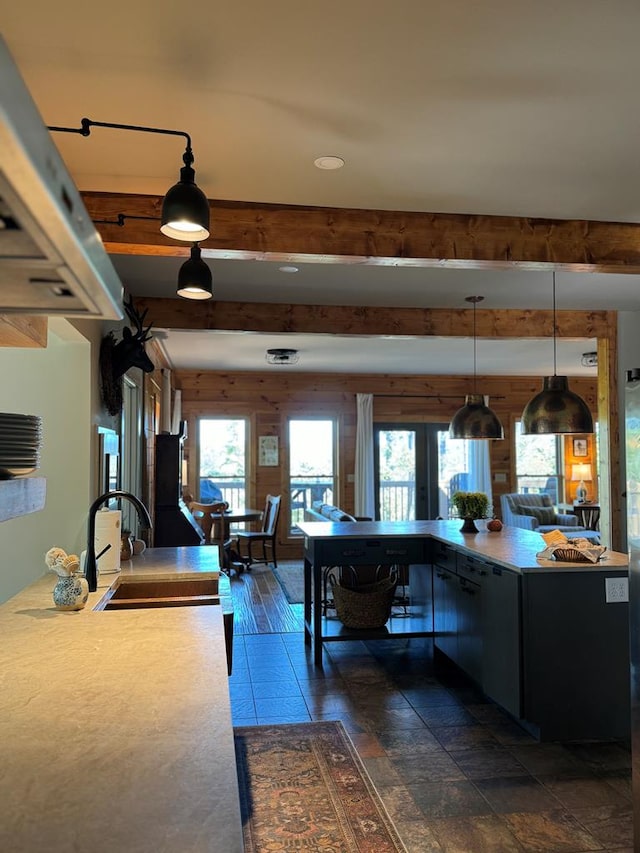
[(288, 269), (329, 162)]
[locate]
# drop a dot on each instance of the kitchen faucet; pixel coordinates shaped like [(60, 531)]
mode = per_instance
[(90, 569)]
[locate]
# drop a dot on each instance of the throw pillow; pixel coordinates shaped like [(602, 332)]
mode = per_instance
[(544, 514)]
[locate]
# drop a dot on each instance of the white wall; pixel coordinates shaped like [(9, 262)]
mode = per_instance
[(55, 383)]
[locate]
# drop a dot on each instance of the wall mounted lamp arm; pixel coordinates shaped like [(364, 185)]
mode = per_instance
[(86, 124)]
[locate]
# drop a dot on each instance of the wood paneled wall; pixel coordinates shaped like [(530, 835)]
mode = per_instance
[(269, 399)]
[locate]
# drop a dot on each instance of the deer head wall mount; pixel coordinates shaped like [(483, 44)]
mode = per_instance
[(116, 357)]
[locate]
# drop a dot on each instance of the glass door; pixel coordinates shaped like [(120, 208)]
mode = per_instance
[(417, 469)]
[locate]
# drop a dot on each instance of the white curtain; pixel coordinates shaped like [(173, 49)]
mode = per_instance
[(364, 483), (480, 468)]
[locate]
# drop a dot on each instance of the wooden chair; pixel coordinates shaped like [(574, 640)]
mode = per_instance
[(214, 529), (266, 536)]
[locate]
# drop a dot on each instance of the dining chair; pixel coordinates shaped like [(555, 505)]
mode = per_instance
[(216, 532), (266, 536)]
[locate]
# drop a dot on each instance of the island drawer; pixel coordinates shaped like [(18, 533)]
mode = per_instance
[(383, 551), (443, 555), (472, 567)]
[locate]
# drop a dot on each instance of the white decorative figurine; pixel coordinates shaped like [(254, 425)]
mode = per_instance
[(71, 591)]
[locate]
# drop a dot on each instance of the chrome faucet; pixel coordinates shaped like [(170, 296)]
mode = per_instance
[(90, 569)]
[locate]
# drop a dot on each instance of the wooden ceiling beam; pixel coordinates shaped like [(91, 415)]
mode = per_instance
[(356, 320), (295, 233)]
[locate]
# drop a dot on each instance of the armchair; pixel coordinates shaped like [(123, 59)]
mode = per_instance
[(536, 512)]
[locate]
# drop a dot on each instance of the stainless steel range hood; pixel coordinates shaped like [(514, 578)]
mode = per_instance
[(52, 260)]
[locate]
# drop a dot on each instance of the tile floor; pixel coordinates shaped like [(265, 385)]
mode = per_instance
[(455, 773)]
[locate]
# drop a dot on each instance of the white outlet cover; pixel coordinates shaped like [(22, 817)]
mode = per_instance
[(616, 590)]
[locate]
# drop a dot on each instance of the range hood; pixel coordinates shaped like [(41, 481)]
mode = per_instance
[(52, 260)]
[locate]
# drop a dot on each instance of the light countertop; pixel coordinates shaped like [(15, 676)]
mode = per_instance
[(512, 547), (116, 729)]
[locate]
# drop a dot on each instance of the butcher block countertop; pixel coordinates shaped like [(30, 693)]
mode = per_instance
[(115, 730)]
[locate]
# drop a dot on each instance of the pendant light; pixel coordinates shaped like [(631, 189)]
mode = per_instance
[(195, 280), (185, 208), (556, 409), (475, 419)]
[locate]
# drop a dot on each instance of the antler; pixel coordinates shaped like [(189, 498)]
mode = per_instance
[(137, 319)]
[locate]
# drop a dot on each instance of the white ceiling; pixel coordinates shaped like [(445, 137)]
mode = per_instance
[(493, 108)]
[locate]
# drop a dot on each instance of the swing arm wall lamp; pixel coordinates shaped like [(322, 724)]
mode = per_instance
[(185, 208)]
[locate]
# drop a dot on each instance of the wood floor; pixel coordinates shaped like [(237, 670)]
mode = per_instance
[(260, 605)]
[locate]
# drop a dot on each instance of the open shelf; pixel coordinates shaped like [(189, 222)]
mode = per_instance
[(21, 496)]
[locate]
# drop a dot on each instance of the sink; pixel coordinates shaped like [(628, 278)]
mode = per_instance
[(133, 593)]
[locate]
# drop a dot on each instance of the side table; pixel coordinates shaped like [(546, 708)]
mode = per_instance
[(588, 515)]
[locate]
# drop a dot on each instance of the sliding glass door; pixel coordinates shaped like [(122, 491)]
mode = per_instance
[(417, 469)]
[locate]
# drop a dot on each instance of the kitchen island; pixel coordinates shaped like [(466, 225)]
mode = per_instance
[(116, 727), (546, 640)]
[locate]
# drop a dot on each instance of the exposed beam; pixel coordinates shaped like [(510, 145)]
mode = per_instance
[(246, 230), (356, 320)]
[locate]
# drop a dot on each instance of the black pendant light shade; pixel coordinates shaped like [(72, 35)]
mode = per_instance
[(475, 420), (194, 278), (556, 409), (185, 208)]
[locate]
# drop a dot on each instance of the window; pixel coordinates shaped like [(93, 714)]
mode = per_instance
[(311, 465), (538, 464), (222, 444), (417, 469)]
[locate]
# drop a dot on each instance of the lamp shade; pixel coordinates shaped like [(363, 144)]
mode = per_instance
[(185, 210), (581, 471), (475, 420), (556, 410), (195, 280)]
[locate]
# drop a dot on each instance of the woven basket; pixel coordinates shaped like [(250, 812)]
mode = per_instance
[(572, 555), (366, 606)]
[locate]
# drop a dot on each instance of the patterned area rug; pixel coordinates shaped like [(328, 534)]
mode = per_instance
[(291, 579), (304, 788)]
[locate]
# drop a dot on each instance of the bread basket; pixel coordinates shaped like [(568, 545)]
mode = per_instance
[(569, 554)]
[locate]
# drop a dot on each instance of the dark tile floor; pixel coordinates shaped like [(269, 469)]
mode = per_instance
[(456, 774)]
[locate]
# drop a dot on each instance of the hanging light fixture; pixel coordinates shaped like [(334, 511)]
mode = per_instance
[(195, 280), (556, 409), (475, 419), (185, 208)]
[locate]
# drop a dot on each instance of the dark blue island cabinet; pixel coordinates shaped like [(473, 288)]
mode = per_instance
[(546, 641)]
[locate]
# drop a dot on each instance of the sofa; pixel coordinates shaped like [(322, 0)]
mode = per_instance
[(327, 512), (536, 512)]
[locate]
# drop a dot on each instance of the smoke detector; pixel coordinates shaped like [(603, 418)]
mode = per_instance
[(282, 356), (589, 359)]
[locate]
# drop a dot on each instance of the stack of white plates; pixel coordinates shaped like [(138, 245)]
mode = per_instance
[(20, 444)]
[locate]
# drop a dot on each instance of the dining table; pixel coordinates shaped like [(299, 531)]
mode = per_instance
[(237, 515)]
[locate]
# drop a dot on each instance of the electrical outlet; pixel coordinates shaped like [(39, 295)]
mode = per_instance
[(616, 589)]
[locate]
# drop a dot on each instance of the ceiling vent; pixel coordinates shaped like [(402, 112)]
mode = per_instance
[(282, 356)]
